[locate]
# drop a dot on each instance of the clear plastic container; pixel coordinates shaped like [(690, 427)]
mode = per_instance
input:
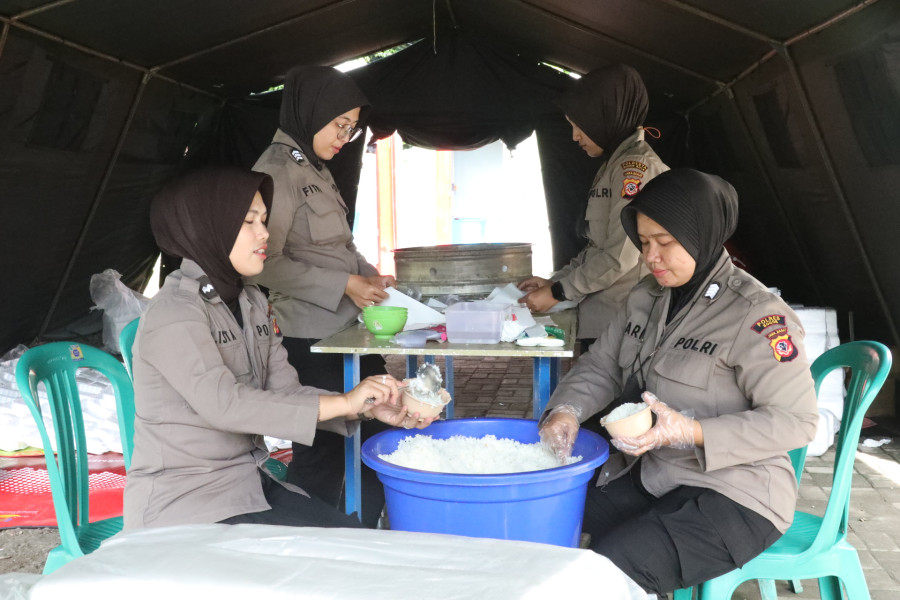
[(475, 322)]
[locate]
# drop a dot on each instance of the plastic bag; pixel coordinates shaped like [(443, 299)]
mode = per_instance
[(120, 304)]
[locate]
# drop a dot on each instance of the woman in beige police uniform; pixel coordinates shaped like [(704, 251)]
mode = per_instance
[(317, 279), (211, 376), (606, 109), (710, 486)]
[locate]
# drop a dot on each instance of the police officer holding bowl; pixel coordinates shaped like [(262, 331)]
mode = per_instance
[(721, 361)]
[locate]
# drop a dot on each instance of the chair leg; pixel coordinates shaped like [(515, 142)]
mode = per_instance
[(767, 590), (796, 586), (830, 588), (683, 594)]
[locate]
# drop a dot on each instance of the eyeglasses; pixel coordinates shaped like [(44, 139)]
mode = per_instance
[(346, 132)]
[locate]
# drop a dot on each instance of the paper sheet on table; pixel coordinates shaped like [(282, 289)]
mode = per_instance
[(236, 562), (510, 294), (419, 316)]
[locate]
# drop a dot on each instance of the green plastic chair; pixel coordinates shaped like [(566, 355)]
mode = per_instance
[(275, 467), (54, 365), (816, 547), (767, 589), (126, 341)]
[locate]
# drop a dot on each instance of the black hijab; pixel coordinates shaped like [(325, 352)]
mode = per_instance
[(312, 97), (608, 104), (198, 216), (699, 210)]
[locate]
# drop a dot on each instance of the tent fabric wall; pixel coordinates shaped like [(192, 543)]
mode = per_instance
[(85, 145), (795, 103), (50, 175), (820, 236)]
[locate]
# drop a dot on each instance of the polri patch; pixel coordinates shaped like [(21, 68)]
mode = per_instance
[(270, 314), (767, 322), (630, 187), (297, 156), (782, 346)]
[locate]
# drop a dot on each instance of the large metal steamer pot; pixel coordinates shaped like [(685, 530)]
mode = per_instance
[(468, 270)]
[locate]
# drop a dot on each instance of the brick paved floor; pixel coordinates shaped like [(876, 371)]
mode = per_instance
[(502, 387)]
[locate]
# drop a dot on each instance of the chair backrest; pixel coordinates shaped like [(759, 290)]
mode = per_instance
[(55, 365), (798, 459), (869, 364), (126, 341)]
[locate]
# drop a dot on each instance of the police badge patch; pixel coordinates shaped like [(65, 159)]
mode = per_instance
[(297, 156), (782, 345), (630, 187)]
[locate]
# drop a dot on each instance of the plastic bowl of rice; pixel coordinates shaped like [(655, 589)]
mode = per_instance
[(486, 493), (423, 407), (628, 420)]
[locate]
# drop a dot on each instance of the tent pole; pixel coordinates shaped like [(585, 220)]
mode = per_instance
[(139, 93), (39, 9), (773, 190), (677, 4), (252, 34), (639, 51), (4, 33), (778, 47), (834, 180), (98, 54)]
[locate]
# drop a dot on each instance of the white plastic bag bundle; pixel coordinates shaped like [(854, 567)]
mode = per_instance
[(120, 305)]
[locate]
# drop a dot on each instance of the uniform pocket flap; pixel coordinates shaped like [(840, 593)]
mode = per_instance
[(692, 368), (322, 205)]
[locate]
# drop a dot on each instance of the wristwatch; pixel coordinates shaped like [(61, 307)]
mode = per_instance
[(558, 292)]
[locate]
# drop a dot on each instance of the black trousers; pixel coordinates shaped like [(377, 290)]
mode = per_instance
[(296, 510), (687, 536), (319, 469)]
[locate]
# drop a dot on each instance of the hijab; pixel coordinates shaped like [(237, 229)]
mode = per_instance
[(312, 97), (699, 210), (198, 216), (608, 104)]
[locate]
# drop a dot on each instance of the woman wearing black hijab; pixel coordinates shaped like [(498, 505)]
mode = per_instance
[(606, 109), (211, 376), (317, 279), (710, 485)]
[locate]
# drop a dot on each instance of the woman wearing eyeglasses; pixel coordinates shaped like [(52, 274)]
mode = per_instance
[(317, 279)]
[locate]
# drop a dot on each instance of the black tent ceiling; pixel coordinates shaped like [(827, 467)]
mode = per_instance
[(794, 102)]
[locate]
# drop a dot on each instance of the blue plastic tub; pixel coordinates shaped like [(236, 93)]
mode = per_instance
[(537, 506)]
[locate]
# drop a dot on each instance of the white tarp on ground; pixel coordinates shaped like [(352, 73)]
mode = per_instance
[(246, 561), (98, 405), (820, 325)]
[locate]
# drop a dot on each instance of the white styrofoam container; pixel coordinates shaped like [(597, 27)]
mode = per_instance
[(475, 322)]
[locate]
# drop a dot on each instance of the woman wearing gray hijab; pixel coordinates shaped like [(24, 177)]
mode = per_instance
[(317, 279), (211, 376), (721, 362), (606, 109)]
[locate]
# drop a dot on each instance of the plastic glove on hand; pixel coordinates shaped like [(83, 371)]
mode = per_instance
[(672, 429), (559, 430)]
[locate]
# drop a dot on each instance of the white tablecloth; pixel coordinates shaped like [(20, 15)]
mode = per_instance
[(271, 562)]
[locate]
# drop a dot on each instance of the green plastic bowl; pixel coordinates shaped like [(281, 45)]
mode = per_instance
[(384, 321)]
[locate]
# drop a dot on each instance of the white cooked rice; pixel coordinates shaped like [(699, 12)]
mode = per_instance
[(469, 455), (625, 410)]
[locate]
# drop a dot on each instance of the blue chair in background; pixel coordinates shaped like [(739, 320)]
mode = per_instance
[(816, 547), (55, 365)]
